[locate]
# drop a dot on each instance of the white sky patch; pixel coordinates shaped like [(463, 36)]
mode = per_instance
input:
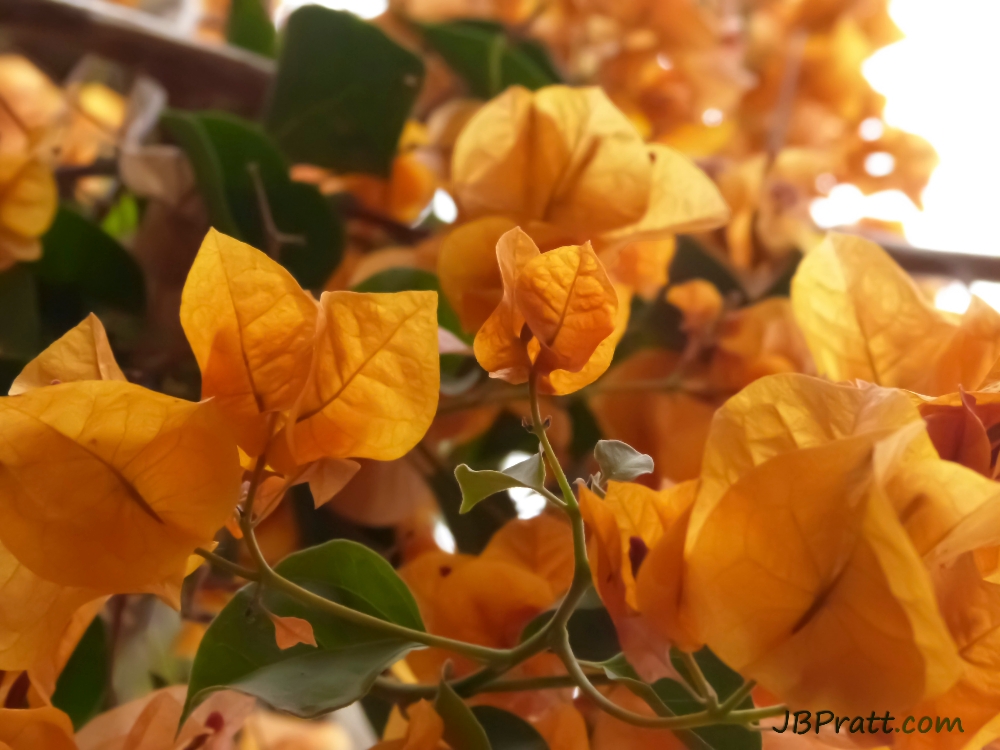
[(712, 117), (527, 503), (880, 163), (936, 84), (443, 536), (954, 297), (443, 206), (362, 8)]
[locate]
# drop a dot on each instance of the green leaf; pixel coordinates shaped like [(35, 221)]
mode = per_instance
[(461, 727), (20, 326), (692, 261), (478, 485), (725, 682), (507, 731), (342, 93), (620, 461), (486, 59), (250, 27), (83, 682), (415, 279), (80, 258), (225, 150), (239, 649)]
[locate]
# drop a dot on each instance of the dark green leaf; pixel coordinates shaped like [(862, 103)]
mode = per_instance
[(250, 27), (592, 633), (239, 649), (655, 324), (719, 676), (20, 327), (781, 285), (620, 461), (692, 261), (507, 731), (415, 279), (189, 132), (80, 258), (83, 682), (9, 369), (461, 727), (478, 485), (226, 153), (486, 59), (343, 92), (586, 430)]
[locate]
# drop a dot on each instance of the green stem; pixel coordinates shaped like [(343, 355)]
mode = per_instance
[(269, 577), (396, 690), (737, 697), (688, 721), (698, 681), (226, 565), (581, 568)]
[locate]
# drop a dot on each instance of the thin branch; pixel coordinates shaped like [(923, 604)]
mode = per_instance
[(740, 695), (786, 97), (402, 692), (270, 578), (687, 721), (275, 238), (226, 565), (699, 682)]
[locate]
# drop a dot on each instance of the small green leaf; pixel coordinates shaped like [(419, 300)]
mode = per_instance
[(487, 59), (618, 668), (20, 326), (620, 461), (507, 731), (122, 219), (479, 485), (226, 152), (239, 651), (83, 682), (415, 279), (342, 93), (80, 258), (250, 27), (461, 727)]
